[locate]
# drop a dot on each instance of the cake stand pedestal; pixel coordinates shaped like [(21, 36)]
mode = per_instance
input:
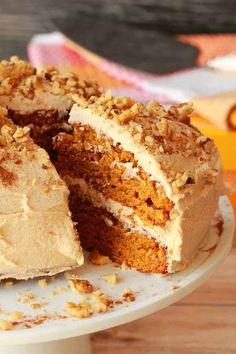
[(61, 334)]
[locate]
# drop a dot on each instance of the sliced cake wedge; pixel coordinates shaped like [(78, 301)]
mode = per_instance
[(37, 235)]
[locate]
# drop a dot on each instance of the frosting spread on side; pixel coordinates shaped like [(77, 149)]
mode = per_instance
[(37, 235)]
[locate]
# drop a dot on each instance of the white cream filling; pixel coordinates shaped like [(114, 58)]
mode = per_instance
[(130, 171)]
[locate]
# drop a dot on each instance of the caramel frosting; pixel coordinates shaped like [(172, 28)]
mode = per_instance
[(37, 235), (25, 89), (177, 157)]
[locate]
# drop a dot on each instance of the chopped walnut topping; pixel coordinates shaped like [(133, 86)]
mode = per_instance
[(76, 310), (181, 112), (174, 136), (179, 181), (18, 75), (137, 137), (5, 325), (21, 134), (81, 286), (17, 315), (163, 128), (201, 139), (111, 278), (149, 140), (6, 131), (129, 114), (154, 108), (128, 295), (98, 259)]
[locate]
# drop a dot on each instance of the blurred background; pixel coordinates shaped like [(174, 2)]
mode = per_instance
[(171, 51), (138, 33)]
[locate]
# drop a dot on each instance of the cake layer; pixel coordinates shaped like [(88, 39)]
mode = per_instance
[(113, 172), (100, 230)]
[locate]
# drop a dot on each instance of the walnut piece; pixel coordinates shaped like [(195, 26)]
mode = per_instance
[(98, 259), (99, 307), (111, 278), (17, 315), (80, 286), (28, 297), (77, 310), (5, 325), (128, 295), (35, 306)]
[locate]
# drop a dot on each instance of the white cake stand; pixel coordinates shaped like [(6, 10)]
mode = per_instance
[(57, 335)]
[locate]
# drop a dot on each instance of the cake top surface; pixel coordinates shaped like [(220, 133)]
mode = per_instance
[(33, 199), (182, 153), (19, 77)]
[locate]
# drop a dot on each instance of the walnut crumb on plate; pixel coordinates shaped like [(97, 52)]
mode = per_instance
[(77, 310), (17, 315), (98, 259), (128, 295), (27, 297), (5, 325), (80, 286), (111, 278)]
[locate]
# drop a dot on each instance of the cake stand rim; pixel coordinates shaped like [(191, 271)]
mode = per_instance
[(137, 310)]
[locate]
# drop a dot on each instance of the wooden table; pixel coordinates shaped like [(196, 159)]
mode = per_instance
[(204, 322)]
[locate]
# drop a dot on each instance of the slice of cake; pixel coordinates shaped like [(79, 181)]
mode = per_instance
[(144, 183), (37, 235), (41, 99)]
